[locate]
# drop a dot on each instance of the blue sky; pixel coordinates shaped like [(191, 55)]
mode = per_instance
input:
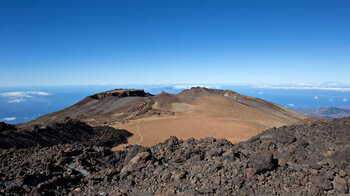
[(64, 42)]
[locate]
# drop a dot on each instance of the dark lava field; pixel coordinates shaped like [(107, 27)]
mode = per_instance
[(72, 158)]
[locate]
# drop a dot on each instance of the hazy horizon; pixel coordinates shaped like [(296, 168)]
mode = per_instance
[(23, 104)]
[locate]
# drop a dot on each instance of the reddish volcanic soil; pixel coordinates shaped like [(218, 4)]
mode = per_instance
[(209, 116)]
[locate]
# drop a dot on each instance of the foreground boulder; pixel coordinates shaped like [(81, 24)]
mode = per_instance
[(310, 159)]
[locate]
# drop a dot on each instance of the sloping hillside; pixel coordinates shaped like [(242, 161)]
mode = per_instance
[(196, 112), (200, 112), (105, 104)]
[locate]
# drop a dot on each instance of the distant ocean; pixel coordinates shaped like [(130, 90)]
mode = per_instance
[(23, 104)]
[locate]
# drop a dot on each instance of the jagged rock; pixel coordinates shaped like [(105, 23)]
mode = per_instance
[(133, 151), (285, 137), (178, 176), (308, 160), (135, 162), (67, 131), (340, 184), (214, 152), (121, 93), (263, 162), (7, 127), (322, 182)]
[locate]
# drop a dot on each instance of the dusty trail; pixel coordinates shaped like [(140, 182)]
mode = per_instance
[(138, 133)]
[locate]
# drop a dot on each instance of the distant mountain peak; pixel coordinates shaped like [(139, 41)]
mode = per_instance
[(198, 108), (335, 110)]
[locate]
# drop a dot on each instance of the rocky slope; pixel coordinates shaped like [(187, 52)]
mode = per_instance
[(100, 108), (66, 131), (6, 127), (309, 159)]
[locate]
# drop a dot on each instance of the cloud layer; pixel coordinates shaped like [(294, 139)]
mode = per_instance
[(9, 118), (302, 87), (179, 87), (17, 100), (20, 96)]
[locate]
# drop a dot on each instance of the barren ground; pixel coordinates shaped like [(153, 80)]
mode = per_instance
[(211, 116)]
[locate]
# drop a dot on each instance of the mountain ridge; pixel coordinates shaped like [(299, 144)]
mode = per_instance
[(197, 112), (324, 112)]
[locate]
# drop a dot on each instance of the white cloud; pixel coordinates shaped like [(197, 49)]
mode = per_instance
[(20, 96), (331, 100), (9, 118), (345, 99), (316, 97), (18, 100), (260, 93), (328, 88), (178, 87), (39, 93), (15, 94), (27, 94), (290, 105)]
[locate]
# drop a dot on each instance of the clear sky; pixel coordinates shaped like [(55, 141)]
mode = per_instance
[(71, 42)]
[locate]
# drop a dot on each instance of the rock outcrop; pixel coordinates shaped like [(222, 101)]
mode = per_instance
[(310, 159), (122, 93), (67, 131), (7, 127)]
